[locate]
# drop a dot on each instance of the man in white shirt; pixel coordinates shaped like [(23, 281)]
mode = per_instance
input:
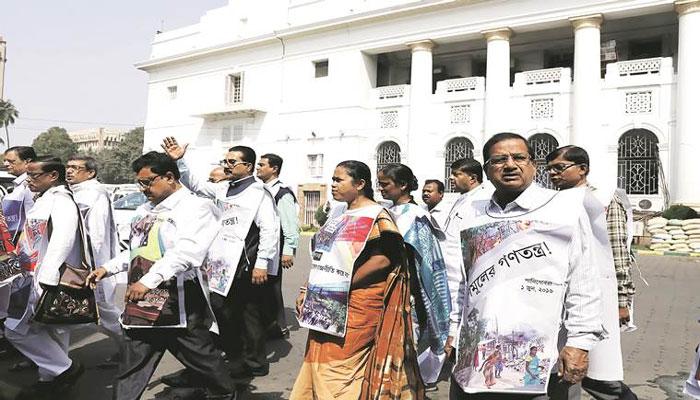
[(96, 209), (238, 290), (268, 171), (518, 205), (432, 195), (14, 207), (169, 239), (568, 168), (49, 238), (466, 177)]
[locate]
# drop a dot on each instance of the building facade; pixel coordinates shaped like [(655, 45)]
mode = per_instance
[(425, 82), (96, 139)]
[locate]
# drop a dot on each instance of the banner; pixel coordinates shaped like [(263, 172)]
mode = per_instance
[(225, 252), (13, 210), (163, 306), (510, 324), (336, 247)]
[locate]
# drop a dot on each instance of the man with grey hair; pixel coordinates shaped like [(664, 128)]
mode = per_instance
[(96, 210)]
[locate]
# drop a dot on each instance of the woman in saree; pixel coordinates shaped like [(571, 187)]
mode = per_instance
[(431, 300), (375, 359)]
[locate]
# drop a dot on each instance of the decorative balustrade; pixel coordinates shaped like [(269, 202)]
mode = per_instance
[(645, 66), (543, 76), (392, 92), (461, 84)]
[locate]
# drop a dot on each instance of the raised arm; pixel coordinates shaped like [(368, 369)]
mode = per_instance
[(177, 152)]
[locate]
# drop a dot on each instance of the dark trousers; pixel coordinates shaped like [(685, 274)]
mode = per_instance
[(607, 390), (192, 346), (241, 318), (556, 390), (275, 302)]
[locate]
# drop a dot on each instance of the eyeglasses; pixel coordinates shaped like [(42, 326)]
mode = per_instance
[(35, 175), (500, 160), (146, 183), (559, 168), (75, 167), (232, 163)]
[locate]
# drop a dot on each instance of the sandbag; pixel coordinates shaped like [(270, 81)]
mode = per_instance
[(680, 237), (676, 232), (675, 222), (690, 221), (657, 220), (664, 236)]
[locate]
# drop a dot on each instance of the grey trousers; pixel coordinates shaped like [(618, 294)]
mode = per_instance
[(192, 346), (556, 390)]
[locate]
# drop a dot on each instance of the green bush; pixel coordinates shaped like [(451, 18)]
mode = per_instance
[(679, 211), (321, 215)]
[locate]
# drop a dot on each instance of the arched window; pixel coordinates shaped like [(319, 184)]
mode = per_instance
[(542, 144), (388, 153), (638, 162), (455, 149)]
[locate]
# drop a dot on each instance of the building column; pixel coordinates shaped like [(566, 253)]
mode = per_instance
[(686, 141), (421, 91), (497, 80), (3, 51), (586, 119)]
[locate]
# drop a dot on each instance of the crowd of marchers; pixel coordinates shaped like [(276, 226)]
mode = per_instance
[(512, 291)]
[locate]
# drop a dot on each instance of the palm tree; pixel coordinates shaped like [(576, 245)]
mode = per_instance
[(8, 114)]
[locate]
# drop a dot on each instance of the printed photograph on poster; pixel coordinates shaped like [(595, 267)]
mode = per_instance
[(506, 358), (325, 307)]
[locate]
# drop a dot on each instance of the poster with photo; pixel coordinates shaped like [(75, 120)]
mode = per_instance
[(336, 247), (515, 287)]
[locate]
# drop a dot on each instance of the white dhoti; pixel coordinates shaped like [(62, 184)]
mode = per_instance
[(46, 346), (105, 297)]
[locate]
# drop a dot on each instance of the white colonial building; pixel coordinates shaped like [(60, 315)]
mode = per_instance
[(425, 82)]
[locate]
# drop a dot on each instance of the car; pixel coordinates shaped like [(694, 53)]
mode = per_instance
[(124, 209), (6, 183)]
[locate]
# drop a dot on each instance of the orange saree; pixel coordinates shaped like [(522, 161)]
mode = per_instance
[(376, 358)]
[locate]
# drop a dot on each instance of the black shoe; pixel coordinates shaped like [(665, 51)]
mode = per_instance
[(71, 375), (182, 379), (246, 372), (431, 387), (201, 394)]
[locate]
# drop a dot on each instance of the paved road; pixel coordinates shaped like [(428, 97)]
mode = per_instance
[(657, 356)]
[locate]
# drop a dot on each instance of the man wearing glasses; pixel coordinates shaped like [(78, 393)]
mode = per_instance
[(527, 257), (568, 168), (96, 209), (240, 259), (166, 300)]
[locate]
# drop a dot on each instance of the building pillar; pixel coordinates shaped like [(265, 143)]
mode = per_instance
[(586, 119), (685, 177), (3, 58), (421, 92), (497, 80)]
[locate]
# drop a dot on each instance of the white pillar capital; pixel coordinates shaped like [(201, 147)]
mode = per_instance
[(497, 34), (587, 21), (422, 45), (687, 6)]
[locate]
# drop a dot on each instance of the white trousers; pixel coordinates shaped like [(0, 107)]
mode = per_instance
[(105, 297), (46, 346)]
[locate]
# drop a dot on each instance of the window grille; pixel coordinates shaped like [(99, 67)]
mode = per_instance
[(457, 148), (234, 88), (638, 162), (312, 200), (388, 153), (542, 144)]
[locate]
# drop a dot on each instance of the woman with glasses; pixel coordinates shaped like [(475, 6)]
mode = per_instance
[(427, 268), (356, 302)]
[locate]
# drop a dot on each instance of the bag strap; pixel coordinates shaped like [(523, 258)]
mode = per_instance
[(85, 253)]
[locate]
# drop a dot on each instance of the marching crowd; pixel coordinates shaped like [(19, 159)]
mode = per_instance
[(428, 288)]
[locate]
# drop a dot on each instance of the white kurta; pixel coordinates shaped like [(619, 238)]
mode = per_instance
[(452, 250), (96, 209), (192, 224), (266, 217), (605, 359)]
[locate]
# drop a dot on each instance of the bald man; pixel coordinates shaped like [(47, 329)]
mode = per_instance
[(218, 175)]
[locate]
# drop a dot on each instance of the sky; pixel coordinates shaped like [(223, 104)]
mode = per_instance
[(71, 62)]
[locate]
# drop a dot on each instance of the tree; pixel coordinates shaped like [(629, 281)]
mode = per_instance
[(115, 164), (55, 142), (8, 114)]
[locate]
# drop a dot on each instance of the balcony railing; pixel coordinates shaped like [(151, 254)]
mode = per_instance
[(645, 66), (541, 81), (461, 88), (543, 76), (392, 92), (461, 84)]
